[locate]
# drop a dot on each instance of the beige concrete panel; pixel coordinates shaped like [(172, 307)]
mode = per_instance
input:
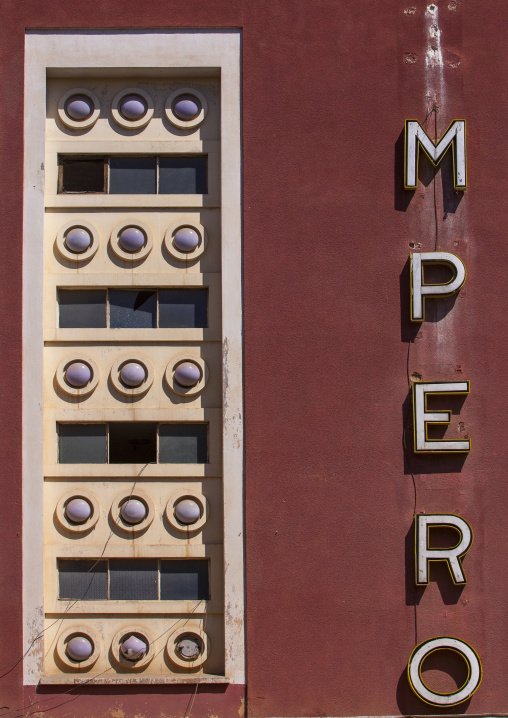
[(160, 533), (160, 627), (105, 482), (158, 129), (132, 471), (131, 279), (158, 261), (142, 201), (52, 604), (158, 396)]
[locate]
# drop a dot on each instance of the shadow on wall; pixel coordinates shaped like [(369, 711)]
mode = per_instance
[(126, 690), (426, 173), (442, 671)]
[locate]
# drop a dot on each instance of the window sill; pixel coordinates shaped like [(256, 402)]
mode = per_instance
[(128, 679)]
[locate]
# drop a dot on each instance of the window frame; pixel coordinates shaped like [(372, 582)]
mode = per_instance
[(62, 158)]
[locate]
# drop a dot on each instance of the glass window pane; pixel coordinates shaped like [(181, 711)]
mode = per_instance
[(185, 580), (130, 309), (82, 175), (183, 175), (82, 444), (84, 580), (82, 308), (132, 442), (183, 443), (183, 308), (133, 175), (135, 579)]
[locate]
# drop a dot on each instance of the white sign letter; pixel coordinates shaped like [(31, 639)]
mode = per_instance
[(465, 692), (416, 137), (420, 290), (422, 418), (452, 556)]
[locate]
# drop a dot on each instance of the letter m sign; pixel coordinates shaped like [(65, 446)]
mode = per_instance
[(416, 137)]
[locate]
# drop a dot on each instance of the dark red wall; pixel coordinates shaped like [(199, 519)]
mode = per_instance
[(332, 612)]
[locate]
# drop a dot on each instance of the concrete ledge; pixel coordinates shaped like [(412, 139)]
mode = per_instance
[(124, 679)]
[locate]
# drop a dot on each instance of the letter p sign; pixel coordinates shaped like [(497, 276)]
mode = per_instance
[(420, 290)]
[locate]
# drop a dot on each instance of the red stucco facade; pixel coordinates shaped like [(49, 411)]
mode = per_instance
[(331, 607)]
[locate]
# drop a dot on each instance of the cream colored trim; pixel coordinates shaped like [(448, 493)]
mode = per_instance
[(63, 639), (169, 374), (86, 525), (115, 512), (124, 662), (187, 494), (186, 124), (132, 124), (180, 633), (161, 49), (114, 240), (73, 256), (174, 251), (79, 124)]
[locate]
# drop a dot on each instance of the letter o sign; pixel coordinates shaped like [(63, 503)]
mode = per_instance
[(423, 650)]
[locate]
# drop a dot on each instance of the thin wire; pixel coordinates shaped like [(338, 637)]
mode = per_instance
[(72, 603), (409, 464), (51, 698), (435, 109), (95, 677), (190, 705)]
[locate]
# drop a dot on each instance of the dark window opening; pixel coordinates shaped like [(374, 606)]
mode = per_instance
[(185, 580), (183, 175), (82, 444), (183, 443), (133, 175), (82, 308), (83, 580), (132, 442), (132, 309), (82, 174), (135, 579), (183, 308)]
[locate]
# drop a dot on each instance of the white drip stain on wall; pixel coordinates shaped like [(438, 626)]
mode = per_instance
[(434, 60)]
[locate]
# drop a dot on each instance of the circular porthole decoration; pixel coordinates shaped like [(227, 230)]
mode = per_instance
[(188, 647), (78, 647), (131, 240), (187, 510), (132, 511), (77, 375), (422, 651), (132, 108), (79, 109), (77, 240), (132, 375), (186, 108), (185, 240), (186, 375), (77, 511), (133, 647)]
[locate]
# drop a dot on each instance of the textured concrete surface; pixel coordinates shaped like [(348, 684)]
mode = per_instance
[(332, 612)]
